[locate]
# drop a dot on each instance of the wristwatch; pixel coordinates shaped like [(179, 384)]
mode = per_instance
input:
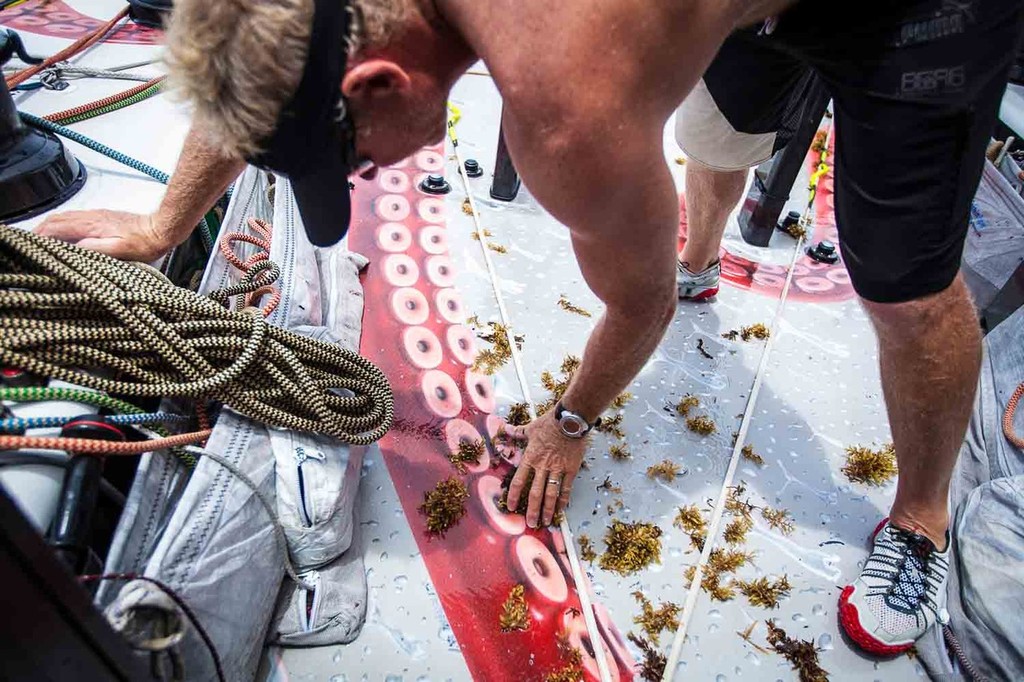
[(573, 425)]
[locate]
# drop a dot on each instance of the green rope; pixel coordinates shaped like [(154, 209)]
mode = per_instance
[(92, 113), (38, 394)]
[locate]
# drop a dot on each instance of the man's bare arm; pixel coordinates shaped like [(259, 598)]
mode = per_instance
[(200, 178), (619, 202), (611, 186)]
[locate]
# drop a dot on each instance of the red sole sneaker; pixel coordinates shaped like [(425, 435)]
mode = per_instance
[(850, 621), (702, 296)]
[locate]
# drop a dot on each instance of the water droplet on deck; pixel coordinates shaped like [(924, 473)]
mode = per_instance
[(825, 642), (366, 651), (339, 678), (400, 582), (817, 610), (798, 618), (714, 613), (713, 627), (393, 678), (721, 678), (752, 658), (383, 556)]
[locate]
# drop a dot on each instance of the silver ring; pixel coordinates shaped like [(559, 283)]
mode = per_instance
[(555, 481)]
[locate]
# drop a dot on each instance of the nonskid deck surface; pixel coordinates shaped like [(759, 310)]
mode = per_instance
[(820, 394)]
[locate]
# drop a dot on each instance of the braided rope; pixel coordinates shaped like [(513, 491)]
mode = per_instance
[(107, 104), (89, 446), (66, 71), (1011, 408), (38, 394), (259, 273), (87, 319), (35, 394), (21, 424)]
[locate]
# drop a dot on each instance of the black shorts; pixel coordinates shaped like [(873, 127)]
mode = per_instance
[(916, 88)]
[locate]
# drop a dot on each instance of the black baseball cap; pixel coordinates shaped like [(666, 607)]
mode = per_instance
[(313, 143)]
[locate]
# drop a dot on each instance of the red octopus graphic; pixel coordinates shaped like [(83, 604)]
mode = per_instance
[(414, 331), (57, 19)]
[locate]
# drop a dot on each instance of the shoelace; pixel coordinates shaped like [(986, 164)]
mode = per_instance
[(906, 571)]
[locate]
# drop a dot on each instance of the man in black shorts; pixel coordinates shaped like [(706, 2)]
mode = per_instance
[(916, 88)]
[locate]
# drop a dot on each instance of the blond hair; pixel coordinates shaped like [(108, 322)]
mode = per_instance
[(239, 61)]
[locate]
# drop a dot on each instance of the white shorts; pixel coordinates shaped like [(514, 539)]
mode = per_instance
[(706, 136)]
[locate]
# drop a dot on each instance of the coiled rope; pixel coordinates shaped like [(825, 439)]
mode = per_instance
[(65, 310), (1011, 408), (258, 272)]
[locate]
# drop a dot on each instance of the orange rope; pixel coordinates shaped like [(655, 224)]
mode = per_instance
[(100, 103), (1011, 407), (100, 447), (265, 232), (74, 48)]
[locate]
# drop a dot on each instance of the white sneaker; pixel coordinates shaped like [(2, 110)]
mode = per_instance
[(901, 592), (698, 286)]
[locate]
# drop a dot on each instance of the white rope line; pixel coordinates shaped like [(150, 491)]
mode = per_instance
[(716, 516), (596, 643)]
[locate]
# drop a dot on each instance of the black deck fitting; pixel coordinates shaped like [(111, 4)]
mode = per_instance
[(824, 252), (435, 184)]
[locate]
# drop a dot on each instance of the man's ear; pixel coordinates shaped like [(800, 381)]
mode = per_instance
[(374, 78)]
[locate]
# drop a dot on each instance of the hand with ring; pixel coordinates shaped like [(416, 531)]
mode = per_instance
[(554, 461)]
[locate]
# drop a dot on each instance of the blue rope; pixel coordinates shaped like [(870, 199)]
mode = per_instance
[(92, 144), (20, 425)]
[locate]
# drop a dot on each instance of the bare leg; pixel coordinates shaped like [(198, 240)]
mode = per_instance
[(711, 196), (930, 356)]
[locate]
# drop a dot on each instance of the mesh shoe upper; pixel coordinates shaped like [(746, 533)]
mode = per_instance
[(901, 592), (698, 285)]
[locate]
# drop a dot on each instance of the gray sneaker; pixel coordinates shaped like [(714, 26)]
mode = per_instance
[(698, 286)]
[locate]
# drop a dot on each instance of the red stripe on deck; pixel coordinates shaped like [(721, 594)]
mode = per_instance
[(413, 329)]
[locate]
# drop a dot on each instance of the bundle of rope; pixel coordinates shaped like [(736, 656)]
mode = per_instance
[(88, 319)]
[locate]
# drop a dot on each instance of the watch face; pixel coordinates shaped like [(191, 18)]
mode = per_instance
[(572, 425)]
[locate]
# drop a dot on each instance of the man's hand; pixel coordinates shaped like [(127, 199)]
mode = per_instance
[(554, 460), (128, 236)]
